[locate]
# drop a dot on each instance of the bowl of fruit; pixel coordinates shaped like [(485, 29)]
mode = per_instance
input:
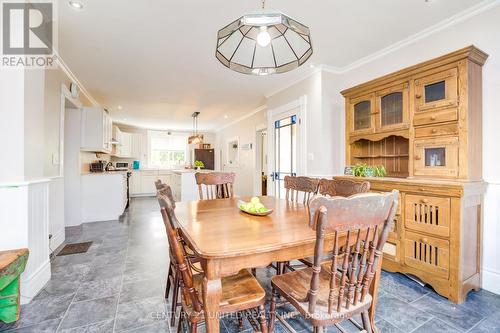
[(254, 207)]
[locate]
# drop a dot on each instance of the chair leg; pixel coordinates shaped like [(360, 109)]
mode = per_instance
[(272, 311), (194, 327), (181, 320), (318, 329), (240, 320), (262, 317), (175, 295), (365, 317), (169, 280), (254, 271)]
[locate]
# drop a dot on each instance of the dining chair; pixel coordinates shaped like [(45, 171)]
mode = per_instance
[(298, 189), (342, 187), (334, 188), (326, 296), (173, 276), (215, 185), (159, 185), (240, 292)]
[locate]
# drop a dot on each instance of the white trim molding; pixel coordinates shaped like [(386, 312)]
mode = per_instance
[(246, 116), (490, 280)]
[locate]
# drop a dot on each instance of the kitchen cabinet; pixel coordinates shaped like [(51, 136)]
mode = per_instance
[(123, 145), (96, 130), (104, 196)]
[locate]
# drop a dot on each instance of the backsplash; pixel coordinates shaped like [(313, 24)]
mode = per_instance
[(87, 157)]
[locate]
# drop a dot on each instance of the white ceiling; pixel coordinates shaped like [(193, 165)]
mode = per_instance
[(156, 57)]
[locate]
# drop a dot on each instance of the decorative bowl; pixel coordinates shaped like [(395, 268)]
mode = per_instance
[(269, 211)]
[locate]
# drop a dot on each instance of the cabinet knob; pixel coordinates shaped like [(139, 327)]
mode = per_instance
[(418, 96), (433, 117), (434, 130), (424, 240), (424, 201), (417, 157)]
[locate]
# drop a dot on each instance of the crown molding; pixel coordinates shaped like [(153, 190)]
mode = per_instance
[(248, 115), (317, 69), (73, 78)]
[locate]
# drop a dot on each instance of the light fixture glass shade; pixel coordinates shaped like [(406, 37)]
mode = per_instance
[(195, 139), (243, 44)]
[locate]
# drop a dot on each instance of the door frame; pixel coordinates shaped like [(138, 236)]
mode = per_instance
[(257, 178), (284, 111)]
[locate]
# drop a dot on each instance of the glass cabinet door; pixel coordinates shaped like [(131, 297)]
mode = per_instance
[(436, 157), (439, 90), (362, 115), (392, 108)]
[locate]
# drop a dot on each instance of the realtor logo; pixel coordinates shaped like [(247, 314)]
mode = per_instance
[(27, 34)]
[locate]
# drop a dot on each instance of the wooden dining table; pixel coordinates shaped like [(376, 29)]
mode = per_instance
[(228, 240)]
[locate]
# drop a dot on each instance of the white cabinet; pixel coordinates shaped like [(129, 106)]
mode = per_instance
[(135, 183), (103, 196), (123, 147), (96, 130), (136, 150)]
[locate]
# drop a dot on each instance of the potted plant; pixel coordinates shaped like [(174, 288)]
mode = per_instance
[(365, 170)]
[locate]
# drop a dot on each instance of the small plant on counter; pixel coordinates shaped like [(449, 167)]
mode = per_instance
[(365, 170), (199, 164)]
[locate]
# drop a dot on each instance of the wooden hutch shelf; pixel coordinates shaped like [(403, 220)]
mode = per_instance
[(424, 124)]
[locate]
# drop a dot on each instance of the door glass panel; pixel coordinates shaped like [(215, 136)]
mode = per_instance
[(362, 115), (435, 157), (286, 152), (435, 92), (391, 109)]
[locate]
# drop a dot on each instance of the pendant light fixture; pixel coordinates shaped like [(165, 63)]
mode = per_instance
[(195, 138), (264, 42)]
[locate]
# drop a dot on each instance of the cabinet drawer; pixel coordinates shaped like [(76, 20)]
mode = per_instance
[(435, 117), (428, 254), (448, 129), (149, 172), (436, 157), (428, 214)]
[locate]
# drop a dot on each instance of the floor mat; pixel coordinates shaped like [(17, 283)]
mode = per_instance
[(74, 248)]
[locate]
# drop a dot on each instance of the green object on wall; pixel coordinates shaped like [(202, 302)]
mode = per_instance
[(12, 264)]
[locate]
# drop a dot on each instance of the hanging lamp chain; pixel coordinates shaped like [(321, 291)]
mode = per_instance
[(263, 4)]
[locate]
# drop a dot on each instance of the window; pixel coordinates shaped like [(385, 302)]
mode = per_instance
[(167, 150)]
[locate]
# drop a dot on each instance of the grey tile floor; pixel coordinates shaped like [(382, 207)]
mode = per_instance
[(118, 286)]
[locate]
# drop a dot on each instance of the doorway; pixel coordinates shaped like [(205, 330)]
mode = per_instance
[(286, 145), (261, 169)]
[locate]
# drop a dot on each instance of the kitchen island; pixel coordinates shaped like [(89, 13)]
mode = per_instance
[(182, 182)]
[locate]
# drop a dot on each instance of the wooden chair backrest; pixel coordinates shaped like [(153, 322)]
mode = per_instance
[(215, 185), (159, 185), (300, 188), (165, 191), (178, 255), (342, 187), (366, 219)]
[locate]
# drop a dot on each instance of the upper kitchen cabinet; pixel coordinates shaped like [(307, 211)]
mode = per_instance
[(437, 90), (392, 108), (126, 145), (361, 120), (96, 132)]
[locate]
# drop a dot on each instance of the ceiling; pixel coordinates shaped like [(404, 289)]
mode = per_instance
[(156, 59)]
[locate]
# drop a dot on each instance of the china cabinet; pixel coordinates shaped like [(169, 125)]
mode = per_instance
[(424, 124)]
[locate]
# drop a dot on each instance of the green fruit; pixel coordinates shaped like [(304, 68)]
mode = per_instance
[(259, 206), (255, 200), (252, 210), (262, 210)]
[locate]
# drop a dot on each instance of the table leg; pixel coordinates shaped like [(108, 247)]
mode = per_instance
[(212, 291), (374, 293)]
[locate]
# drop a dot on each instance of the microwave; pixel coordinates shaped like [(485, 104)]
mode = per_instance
[(122, 166)]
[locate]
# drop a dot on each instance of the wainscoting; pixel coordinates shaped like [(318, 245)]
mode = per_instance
[(56, 212)]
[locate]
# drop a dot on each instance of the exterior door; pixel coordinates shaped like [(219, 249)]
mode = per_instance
[(285, 152)]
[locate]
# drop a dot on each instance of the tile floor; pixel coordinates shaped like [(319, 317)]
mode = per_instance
[(118, 286)]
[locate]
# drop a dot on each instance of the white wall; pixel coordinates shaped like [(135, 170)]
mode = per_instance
[(245, 129)]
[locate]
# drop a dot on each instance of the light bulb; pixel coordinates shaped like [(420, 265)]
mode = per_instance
[(263, 38)]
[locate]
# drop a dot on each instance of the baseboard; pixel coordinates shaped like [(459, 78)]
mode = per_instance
[(491, 280), (32, 285), (142, 195), (57, 240)]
